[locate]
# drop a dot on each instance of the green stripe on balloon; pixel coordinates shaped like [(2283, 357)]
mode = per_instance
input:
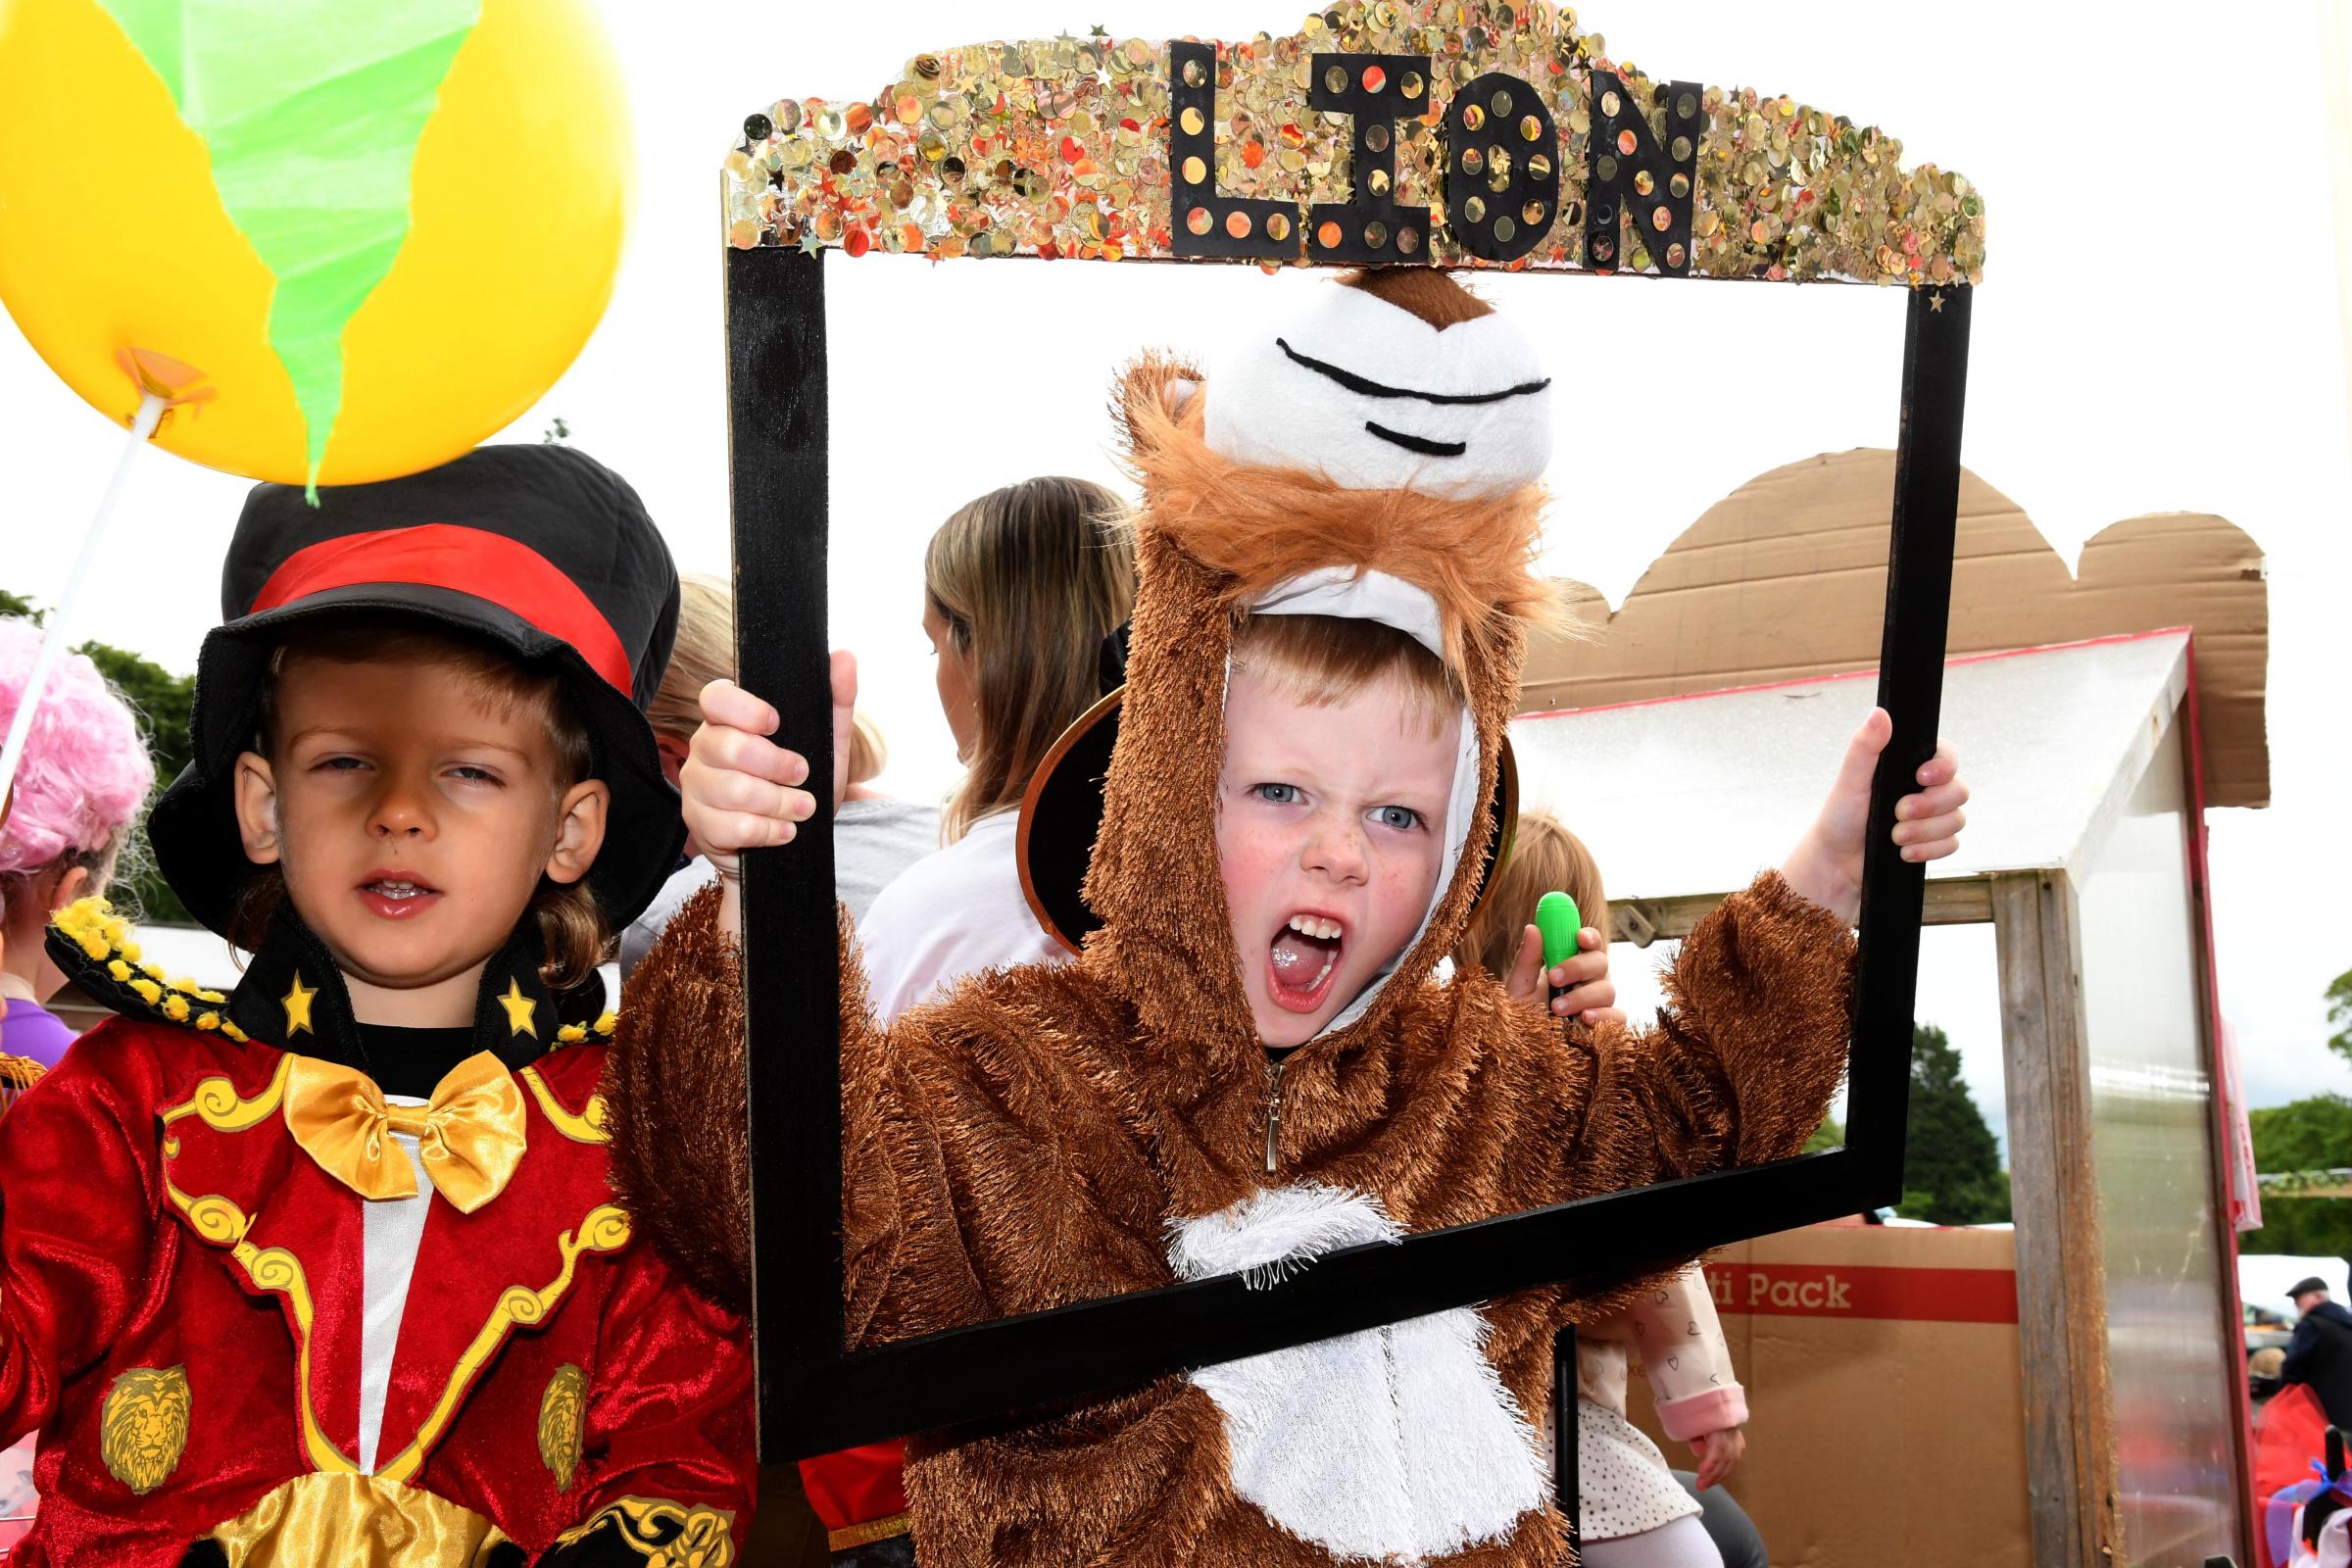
[(312, 112)]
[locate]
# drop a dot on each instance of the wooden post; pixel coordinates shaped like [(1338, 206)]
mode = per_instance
[(2071, 1475)]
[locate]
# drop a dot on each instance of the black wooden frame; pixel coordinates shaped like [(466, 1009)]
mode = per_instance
[(813, 1398)]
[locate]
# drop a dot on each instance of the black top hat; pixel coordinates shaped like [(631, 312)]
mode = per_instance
[(539, 550), (1061, 812)]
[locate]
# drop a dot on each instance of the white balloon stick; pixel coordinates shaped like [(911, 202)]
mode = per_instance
[(58, 630)]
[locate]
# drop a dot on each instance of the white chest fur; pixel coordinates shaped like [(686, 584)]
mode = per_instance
[(1398, 1444)]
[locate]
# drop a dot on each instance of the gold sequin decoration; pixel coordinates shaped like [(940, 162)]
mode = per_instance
[(1058, 147)]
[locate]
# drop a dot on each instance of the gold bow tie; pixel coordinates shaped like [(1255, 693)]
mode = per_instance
[(471, 1133)]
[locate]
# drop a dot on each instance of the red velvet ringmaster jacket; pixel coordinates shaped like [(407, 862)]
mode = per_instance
[(181, 1294)]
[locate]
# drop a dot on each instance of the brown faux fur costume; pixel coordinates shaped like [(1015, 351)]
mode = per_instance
[(1040, 1136)]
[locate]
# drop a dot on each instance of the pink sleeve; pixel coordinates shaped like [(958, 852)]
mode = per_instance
[(1686, 1359)]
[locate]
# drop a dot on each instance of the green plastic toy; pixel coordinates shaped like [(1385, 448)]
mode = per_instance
[(1558, 923)]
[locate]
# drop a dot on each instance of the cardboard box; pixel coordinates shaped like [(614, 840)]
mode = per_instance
[(1885, 1415)]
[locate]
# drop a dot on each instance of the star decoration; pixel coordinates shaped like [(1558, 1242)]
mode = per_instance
[(520, 1009), (1936, 302), (296, 1004), (1098, 30), (810, 243)]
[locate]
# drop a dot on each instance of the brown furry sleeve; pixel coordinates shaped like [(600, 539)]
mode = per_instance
[(1745, 1058), (675, 1103), (943, 1120), (679, 1112)]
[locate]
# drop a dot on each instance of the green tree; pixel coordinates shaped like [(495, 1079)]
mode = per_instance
[(1828, 1135), (2314, 1133), (162, 702), (2339, 1014), (1951, 1167)]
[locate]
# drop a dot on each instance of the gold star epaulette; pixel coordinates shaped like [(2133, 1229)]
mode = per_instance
[(94, 948), (601, 1031)]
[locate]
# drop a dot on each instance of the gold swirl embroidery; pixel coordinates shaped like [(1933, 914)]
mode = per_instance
[(215, 1100), (665, 1534), (585, 1127), (212, 1216), (605, 1230), (143, 1426), (274, 1269), (563, 1423)]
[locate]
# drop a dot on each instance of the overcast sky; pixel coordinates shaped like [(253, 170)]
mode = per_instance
[(2160, 329)]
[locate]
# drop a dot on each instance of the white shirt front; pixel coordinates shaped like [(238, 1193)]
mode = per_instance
[(951, 914), (391, 1230)]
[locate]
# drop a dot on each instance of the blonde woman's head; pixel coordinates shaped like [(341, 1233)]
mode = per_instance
[(1019, 589)]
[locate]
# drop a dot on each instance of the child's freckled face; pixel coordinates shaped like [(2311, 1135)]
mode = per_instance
[(1329, 839), (414, 818)]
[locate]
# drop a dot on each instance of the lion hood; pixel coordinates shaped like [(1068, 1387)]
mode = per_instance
[(1376, 455)]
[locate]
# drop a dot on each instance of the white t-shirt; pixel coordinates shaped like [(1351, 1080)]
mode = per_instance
[(949, 915)]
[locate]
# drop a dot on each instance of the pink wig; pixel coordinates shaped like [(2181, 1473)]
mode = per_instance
[(84, 772)]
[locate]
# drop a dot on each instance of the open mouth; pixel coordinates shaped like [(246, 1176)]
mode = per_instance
[(397, 896), (1302, 959)]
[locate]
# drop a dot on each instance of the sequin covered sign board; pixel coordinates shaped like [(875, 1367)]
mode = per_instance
[(1455, 132)]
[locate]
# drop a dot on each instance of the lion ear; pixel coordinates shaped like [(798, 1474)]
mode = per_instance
[(1151, 394)]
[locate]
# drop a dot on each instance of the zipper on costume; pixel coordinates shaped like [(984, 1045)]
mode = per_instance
[(1274, 1110)]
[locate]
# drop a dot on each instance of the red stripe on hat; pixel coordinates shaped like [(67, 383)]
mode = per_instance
[(486, 565)]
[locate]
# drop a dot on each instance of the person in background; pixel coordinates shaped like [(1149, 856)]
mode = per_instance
[(77, 791), (2321, 1352), (1022, 588), (1633, 1511), (874, 837)]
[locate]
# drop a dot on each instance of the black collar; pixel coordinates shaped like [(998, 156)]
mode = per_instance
[(293, 996)]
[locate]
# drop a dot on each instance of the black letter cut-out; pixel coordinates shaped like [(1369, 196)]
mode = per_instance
[(1369, 228), (1502, 168), (1203, 223), (1631, 177)]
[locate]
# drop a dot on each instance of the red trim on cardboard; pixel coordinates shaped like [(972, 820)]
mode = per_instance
[(487, 565), (1864, 1291), (2200, 887), (1857, 674)]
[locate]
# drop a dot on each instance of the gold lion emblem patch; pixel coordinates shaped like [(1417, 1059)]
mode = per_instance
[(563, 1412), (143, 1427)]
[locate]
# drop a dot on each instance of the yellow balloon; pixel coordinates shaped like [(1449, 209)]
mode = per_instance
[(379, 239)]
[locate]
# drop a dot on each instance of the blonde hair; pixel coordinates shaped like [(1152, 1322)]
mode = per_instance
[(1324, 660), (572, 923), (1545, 858), (1029, 579), (705, 652)]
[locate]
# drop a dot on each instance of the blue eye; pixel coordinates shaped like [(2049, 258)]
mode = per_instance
[(340, 764), (474, 776), (1276, 794), (1402, 818)]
